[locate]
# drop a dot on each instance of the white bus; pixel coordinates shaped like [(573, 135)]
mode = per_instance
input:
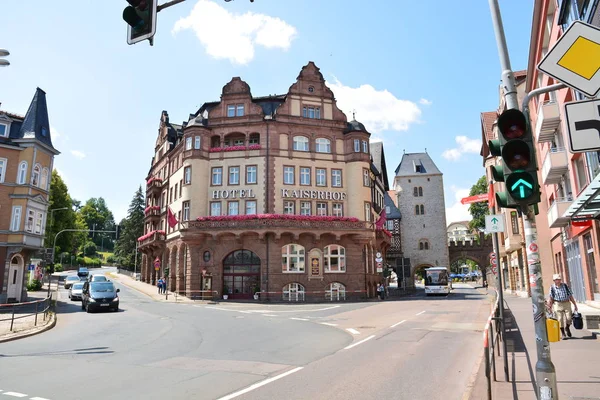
[(436, 281)]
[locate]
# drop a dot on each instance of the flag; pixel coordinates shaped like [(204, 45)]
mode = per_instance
[(382, 219), (171, 219)]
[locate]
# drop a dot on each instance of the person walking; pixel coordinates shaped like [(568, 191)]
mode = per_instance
[(561, 298)]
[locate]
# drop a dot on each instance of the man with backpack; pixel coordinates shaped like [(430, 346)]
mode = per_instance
[(562, 297)]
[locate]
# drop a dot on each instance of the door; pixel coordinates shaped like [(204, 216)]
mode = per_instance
[(575, 273), (241, 274), (15, 279)]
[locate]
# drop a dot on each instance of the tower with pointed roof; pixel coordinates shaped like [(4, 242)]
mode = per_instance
[(26, 162), (420, 189)]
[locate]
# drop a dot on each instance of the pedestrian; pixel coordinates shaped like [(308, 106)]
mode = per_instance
[(561, 298), (381, 291), (160, 285)]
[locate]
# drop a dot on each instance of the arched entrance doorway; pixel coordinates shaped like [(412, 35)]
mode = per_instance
[(241, 274), (15, 278)]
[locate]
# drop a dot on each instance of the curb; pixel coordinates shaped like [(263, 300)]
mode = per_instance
[(473, 378), (47, 327)]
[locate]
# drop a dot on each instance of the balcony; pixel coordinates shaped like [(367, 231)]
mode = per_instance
[(548, 120), (555, 166), (512, 242), (152, 213), (152, 239), (154, 186), (556, 212)]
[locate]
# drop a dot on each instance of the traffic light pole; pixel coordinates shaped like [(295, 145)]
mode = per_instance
[(544, 368)]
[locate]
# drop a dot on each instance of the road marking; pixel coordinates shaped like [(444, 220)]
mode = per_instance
[(259, 384), (328, 324), (357, 343), (38, 398), (398, 323), (275, 311), (14, 394), (353, 331), (299, 319), (420, 313), (268, 315)]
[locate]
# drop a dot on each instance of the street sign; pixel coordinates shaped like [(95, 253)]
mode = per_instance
[(379, 266), (378, 255), (495, 269), (575, 58), (583, 125), (156, 263), (474, 199), (494, 223)]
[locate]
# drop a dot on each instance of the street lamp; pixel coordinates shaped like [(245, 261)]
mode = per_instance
[(3, 62), (52, 213)]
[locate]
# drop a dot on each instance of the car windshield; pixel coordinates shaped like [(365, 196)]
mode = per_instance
[(78, 286), (102, 287), (435, 278), (73, 278), (99, 278)]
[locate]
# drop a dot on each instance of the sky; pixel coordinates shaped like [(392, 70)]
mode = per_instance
[(417, 73)]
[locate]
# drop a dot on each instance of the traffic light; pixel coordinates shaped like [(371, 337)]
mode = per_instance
[(140, 16), (519, 167)]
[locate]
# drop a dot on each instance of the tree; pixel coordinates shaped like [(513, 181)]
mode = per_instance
[(89, 249), (479, 210), (98, 217), (62, 218), (131, 228), (79, 238)]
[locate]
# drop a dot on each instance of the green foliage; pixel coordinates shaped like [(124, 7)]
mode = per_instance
[(34, 285), (131, 228), (89, 249), (58, 267), (112, 259), (98, 217), (62, 217), (80, 261), (92, 262), (79, 238), (479, 210)]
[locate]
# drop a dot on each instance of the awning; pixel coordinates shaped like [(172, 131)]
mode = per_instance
[(587, 204)]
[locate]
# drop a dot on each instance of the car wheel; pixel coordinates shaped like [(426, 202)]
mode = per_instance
[(82, 306), (87, 308)]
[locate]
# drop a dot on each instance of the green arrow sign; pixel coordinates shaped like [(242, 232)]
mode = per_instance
[(520, 185), (495, 220)]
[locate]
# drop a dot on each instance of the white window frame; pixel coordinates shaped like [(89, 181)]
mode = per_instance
[(35, 174), (197, 142), (336, 291), (311, 112), (337, 210), (289, 175), (251, 174), (187, 175), (250, 207), (6, 126), (293, 292), (215, 208), (365, 146), (368, 212), (188, 143), (301, 143), (22, 173), (323, 145), (305, 208), (319, 210), (366, 178), (230, 110), (289, 207), (234, 175), (185, 206), (340, 256), (44, 180), (305, 176), (30, 220), (390, 225), (15, 218), (321, 173), (233, 208), (3, 168), (293, 255), (357, 145), (217, 176), (39, 222), (254, 140), (239, 110), (336, 178)]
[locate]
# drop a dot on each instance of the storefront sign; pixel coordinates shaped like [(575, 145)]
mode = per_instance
[(315, 259), (514, 221), (312, 194), (233, 194)]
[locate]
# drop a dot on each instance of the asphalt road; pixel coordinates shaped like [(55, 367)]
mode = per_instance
[(154, 350)]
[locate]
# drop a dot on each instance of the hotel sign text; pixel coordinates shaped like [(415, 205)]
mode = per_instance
[(233, 194), (313, 194)]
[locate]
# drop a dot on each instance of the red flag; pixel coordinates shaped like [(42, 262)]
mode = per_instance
[(171, 219), (382, 219)]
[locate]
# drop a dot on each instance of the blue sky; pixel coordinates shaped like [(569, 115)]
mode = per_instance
[(418, 74)]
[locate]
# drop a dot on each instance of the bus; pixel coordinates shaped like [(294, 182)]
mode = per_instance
[(436, 281)]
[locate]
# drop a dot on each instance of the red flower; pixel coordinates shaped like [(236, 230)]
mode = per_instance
[(291, 217)]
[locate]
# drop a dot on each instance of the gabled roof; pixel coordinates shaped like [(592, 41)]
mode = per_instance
[(36, 124), (487, 131), (379, 161), (411, 163), (394, 211)]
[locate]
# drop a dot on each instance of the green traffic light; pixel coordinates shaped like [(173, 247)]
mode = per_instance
[(520, 185)]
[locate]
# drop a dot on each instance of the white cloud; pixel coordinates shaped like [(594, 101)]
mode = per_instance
[(426, 102), (78, 154), (232, 36), (54, 134), (378, 110), (457, 211), (465, 145)]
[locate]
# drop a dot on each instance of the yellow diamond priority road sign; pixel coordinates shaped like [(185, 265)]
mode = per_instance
[(575, 59)]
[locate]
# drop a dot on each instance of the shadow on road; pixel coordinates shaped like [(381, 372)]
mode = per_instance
[(89, 350)]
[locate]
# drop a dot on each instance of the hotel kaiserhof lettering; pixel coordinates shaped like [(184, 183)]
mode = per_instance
[(312, 194), (233, 194)]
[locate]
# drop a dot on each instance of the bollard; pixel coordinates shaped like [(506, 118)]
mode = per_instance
[(36, 312)]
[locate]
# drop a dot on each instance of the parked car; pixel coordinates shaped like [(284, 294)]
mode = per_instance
[(76, 291), (71, 279), (97, 278), (99, 295), (83, 272)]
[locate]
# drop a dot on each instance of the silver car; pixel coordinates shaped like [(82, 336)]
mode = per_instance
[(75, 291), (71, 279)]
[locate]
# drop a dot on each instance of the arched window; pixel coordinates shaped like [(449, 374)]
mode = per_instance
[(423, 244), (22, 175), (416, 191), (35, 175), (417, 210), (422, 209), (336, 292), (44, 181), (300, 143), (292, 258), (334, 258), (323, 145), (293, 292), (420, 191)]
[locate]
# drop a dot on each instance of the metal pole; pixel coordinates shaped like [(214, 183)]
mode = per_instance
[(545, 372)]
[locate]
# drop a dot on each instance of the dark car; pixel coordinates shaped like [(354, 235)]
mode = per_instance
[(99, 295), (83, 272)]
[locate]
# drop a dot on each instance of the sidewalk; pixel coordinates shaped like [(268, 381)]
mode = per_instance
[(150, 290), (576, 360)]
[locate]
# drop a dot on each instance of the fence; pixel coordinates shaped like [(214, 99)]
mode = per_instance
[(18, 311), (491, 335)]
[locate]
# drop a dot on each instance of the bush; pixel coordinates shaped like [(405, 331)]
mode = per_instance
[(34, 286), (111, 259), (90, 249), (80, 261), (92, 262), (58, 267)]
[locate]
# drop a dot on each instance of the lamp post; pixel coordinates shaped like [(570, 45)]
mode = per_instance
[(52, 213)]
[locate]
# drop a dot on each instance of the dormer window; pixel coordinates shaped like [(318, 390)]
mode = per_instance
[(235, 110), (311, 112), (3, 130)]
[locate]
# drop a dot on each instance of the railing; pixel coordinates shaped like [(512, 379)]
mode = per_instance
[(24, 310), (491, 333)]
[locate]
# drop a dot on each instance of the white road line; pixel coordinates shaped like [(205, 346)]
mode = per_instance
[(268, 315), (353, 331), (398, 323), (360, 342), (420, 313), (259, 384), (298, 311), (299, 319), (38, 398), (14, 394), (328, 324)]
